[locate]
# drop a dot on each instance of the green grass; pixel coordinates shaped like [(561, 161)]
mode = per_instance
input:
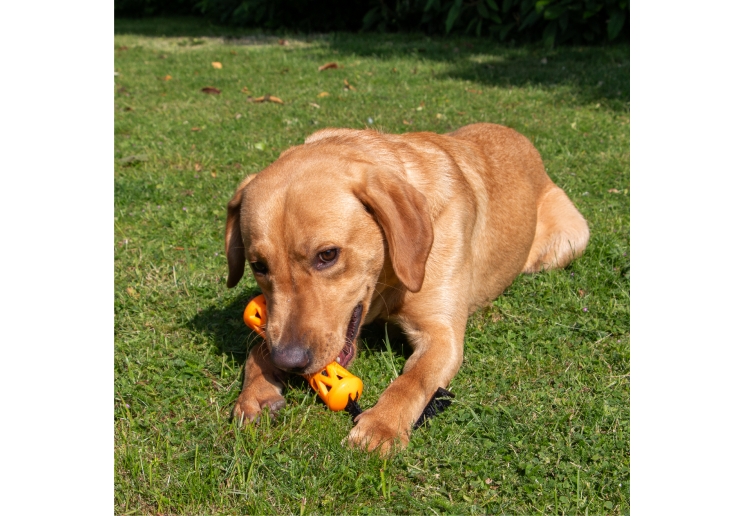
[(540, 424)]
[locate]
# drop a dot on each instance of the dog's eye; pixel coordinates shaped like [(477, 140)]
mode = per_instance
[(327, 257), (259, 268)]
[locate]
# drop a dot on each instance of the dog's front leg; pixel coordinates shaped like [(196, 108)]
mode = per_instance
[(262, 386), (436, 359)]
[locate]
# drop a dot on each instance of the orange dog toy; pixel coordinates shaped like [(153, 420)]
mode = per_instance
[(334, 384)]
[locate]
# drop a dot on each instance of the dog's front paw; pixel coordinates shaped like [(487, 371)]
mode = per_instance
[(379, 434), (250, 405)]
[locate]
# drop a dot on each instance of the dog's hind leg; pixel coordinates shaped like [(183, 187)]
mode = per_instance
[(561, 234)]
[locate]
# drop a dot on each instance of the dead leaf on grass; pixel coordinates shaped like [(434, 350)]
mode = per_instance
[(217, 65), (470, 90), (195, 129), (232, 52), (581, 293), (348, 86), (128, 108), (211, 90), (197, 167), (315, 105), (327, 66), (323, 94), (282, 42), (406, 122), (266, 98), (132, 293), (167, 78), (213, 174), (245, 90), (122, 48), (613, 190)]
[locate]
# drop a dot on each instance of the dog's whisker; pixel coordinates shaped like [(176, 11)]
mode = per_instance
[(397, 289), (387, 308)]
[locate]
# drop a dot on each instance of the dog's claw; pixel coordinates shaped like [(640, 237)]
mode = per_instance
[(375, 435), (248, 409)]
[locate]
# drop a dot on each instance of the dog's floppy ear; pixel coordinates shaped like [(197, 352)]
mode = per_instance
[(234, 248), (403, 213)]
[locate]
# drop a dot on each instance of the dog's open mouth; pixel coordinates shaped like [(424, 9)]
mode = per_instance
[(347, 353)]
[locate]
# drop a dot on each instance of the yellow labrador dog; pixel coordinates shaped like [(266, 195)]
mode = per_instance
[(419, 229)]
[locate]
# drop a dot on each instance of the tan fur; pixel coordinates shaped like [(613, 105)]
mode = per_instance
[(429, 228)]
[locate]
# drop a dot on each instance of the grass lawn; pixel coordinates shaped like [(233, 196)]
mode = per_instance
[(541, 420)]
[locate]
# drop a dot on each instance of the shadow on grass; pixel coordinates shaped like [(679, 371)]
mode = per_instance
[(372, 338), (224, 326), (589, 75)]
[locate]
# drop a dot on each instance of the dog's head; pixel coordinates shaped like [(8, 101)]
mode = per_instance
[(318, 228)]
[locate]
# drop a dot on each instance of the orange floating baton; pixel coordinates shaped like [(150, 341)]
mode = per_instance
[(335, 385)]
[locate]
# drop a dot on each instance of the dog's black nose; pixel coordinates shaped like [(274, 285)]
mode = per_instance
[(292, 357)]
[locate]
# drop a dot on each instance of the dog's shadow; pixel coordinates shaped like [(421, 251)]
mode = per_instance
[(224, 326), (378, 334)]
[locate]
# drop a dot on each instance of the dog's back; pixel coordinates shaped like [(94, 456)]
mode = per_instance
[(503, 214)]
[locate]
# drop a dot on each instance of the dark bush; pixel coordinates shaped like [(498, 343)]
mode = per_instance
[(551, 21), (141, 8), (301, 15)]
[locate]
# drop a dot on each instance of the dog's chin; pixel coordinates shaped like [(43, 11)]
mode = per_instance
[(347, 353)]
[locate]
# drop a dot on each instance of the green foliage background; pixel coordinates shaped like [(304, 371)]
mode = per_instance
[(550, 21)]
